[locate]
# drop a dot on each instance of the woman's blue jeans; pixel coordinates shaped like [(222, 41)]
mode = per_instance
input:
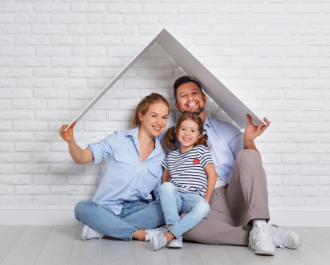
[(175, 203), (134, 215)]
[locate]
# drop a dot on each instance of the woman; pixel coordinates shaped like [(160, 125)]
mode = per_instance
[(122, 206)]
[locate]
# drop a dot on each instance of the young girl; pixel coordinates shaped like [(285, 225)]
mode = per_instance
[(188, 180)]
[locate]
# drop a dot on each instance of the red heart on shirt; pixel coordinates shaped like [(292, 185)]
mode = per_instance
[(196, 161)]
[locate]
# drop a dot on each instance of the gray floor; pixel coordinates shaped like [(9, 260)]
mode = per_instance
[(48, 245)]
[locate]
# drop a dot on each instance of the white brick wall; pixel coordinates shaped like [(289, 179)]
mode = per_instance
[(56, 56)]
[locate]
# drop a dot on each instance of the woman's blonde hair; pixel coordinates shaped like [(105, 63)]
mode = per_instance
[(144, 105), (169, 139)]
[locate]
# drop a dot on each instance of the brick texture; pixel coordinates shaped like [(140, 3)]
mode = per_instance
[(56, 57)]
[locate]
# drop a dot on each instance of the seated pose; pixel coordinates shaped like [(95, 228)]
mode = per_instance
[(189, 177), (239, 204), (122, 206)]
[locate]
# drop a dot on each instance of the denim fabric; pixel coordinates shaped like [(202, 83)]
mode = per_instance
[(175, 203), (125, 178), (134, 215)]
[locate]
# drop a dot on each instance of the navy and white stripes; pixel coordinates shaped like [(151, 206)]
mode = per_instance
[(187, 169)]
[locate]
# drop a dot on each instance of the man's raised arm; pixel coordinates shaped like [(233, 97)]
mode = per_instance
[(251, 132)]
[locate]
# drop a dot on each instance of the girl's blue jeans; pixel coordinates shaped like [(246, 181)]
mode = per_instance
[(134, 215), (175, 203)]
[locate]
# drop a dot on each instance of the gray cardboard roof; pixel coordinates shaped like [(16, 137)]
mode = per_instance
[(220, 94)]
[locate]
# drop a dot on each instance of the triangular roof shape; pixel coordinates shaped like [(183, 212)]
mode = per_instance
[(220, 94)]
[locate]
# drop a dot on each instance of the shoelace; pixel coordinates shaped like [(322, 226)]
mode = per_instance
[(161, 241), (179, 239), (262, 235), (153, 232), (156, 231)]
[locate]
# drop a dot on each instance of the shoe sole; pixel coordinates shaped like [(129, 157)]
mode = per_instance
[(268, 252), (175, 246), (265, 253)]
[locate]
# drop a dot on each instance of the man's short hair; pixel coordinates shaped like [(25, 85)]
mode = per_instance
[(182, 80)]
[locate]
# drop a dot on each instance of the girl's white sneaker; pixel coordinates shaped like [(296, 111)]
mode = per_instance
[(159, 242), (176, 243), (154, 232)]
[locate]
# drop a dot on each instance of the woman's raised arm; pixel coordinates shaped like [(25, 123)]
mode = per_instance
[(79, 156)]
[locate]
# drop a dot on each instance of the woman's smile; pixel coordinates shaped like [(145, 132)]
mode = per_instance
[(157, 128)]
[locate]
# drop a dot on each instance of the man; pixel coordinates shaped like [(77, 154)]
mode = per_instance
[(239, 204)]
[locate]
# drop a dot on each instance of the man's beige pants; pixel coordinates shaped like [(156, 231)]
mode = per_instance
[(235, 205)]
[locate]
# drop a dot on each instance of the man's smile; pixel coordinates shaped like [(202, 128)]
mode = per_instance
[(192, 104)]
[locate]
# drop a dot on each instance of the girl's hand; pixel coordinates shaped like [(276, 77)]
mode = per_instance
[(211, 179), (68, 134), (166, 176)]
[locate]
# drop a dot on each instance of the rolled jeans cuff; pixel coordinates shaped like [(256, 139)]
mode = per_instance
[(173, 232), (130, 235)]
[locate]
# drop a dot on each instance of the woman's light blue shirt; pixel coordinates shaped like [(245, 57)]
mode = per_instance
[(125, 177)]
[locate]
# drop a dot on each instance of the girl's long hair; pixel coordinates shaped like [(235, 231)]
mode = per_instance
[(144, 105), (169, 139)]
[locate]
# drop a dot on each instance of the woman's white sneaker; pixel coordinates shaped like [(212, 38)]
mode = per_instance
[(175, 243), (154, 232), (284, 238), (260, 241), (90, 233)]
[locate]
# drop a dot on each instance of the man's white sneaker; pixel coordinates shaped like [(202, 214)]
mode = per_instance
[(160, 241), (284, 238), (260, 241), (90, 233), (175, 243), (154, 232)]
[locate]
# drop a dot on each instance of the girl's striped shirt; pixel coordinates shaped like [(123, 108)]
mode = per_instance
[(187, 169)]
